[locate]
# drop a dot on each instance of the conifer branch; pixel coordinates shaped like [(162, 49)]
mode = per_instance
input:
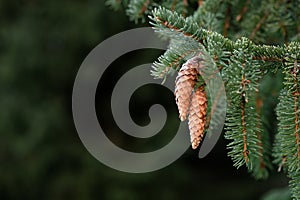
[(163, 67), (287, 147), (262, 163), (137, 9), (174, 57), (164, 20), (213, 108), (242, 64), (249, 143), (296, 96)]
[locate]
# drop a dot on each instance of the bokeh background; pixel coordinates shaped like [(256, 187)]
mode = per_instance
[(42, 45)]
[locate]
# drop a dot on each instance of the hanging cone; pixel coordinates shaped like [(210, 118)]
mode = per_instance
[(184, 85), (197, 116)]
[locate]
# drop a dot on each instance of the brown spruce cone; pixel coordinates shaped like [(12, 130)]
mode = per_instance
[(197, 116), (184, 85)]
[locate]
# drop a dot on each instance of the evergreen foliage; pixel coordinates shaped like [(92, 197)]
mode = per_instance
[(248, 41)]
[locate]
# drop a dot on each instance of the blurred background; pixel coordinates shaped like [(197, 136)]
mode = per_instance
[(42, 45)]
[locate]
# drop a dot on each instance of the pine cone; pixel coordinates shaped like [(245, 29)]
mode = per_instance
[(197, 116), (184, 85)]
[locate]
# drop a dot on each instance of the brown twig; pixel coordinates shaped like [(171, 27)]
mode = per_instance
[(243, 11), (284, 32), (244, 131), (173, 5), (258, 25), (200, 3), (264, 58), (185, 4), (281, 165), (227, 21), (144, 8), (245, 150), (166, 24)]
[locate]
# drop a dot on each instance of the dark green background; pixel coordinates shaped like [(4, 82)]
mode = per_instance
[(42, 44)]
